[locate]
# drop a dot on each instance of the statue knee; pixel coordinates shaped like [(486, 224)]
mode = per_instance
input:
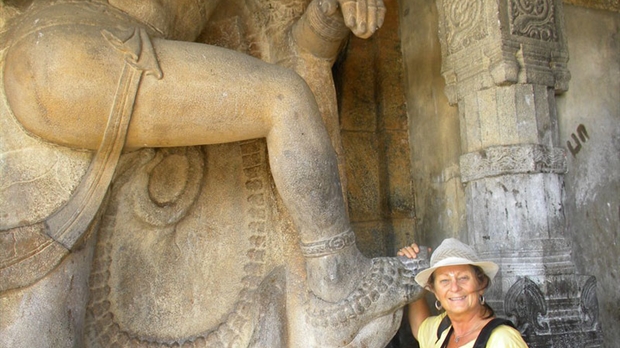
[(295, 101)]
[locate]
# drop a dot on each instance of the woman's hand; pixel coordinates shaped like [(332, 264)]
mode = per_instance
[(363, 17), (418, 310), (410, 251)]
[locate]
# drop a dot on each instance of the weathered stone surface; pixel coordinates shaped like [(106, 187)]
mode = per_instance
[(517, 118), (590, 131), (375, 137), (486, 45), (189, 238), (610, 5)]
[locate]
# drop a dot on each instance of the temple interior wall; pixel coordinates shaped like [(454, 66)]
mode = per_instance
[(592, 192)]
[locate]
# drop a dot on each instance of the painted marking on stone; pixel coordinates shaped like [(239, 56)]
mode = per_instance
[(579, 138)]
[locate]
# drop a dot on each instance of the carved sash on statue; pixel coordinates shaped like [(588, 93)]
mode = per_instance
[(39, 175), (46, 242)]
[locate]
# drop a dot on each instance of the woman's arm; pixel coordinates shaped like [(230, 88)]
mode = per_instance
[(417, 312)]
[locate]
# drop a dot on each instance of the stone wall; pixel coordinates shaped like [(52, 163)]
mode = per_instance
[(374, 130), (434, 127), (590, 129), (611, 5)]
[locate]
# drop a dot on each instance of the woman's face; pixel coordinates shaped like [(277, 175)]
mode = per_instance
[(457, 288)]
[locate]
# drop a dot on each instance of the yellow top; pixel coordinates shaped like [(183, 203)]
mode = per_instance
[(502, 337)]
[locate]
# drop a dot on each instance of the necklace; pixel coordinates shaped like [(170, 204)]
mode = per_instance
[(458, 338)]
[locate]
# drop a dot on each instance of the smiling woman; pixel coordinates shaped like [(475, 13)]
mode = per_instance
[(458, 279), (458, 288)]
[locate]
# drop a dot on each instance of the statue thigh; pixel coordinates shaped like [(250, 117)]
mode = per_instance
[(211, 95), (61, 82)]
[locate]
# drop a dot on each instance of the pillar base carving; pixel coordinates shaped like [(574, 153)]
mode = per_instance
[(539, 290)]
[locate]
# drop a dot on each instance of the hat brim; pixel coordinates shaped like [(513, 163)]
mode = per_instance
[(488, 267)]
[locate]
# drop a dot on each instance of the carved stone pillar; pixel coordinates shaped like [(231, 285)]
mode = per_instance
[(503, 62)]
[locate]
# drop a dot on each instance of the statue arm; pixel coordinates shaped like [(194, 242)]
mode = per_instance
[(327, 23), (362, 17)]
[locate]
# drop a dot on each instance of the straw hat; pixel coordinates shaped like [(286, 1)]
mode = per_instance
[(452, 252)]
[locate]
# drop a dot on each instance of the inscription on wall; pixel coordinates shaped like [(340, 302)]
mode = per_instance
[(579, 138)]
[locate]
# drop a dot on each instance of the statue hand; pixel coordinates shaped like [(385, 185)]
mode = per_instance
[(363, 17)]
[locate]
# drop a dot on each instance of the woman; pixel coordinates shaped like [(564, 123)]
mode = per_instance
[(458, 279)]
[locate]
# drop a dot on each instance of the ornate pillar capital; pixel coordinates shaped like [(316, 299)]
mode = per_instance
[(497, 43)]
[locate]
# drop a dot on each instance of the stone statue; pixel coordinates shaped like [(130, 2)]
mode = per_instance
[(107, 106)]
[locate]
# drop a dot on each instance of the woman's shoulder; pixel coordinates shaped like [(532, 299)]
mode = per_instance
[(427, 333), (506, 336), (433, 321)]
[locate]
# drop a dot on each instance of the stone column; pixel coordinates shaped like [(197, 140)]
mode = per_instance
[(504, 61)]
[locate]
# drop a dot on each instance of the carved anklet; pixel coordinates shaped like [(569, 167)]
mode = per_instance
[(329, 246)]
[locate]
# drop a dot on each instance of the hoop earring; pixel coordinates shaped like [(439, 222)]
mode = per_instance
[(481, 299), (438, 305)]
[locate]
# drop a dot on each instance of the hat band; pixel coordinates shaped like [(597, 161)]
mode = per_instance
[(453, 261)]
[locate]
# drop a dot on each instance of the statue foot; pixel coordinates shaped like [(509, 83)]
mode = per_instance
[(332, 277), (335, 267), (383, 289)]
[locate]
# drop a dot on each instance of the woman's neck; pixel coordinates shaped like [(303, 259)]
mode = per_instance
[(464, 322)]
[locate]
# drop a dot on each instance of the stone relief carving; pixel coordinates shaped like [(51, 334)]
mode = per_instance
[(464, 23), (170, 184), (589, 305), (526, 303), (533, 19), (109, 321), (501, 160), (509, 169), (205, 179), (501, 43)]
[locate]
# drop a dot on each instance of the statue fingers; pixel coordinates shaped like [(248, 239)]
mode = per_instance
[(349, 13), (375, 16), (378, 16), (329, 7), (363, 17), (361, 28)]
